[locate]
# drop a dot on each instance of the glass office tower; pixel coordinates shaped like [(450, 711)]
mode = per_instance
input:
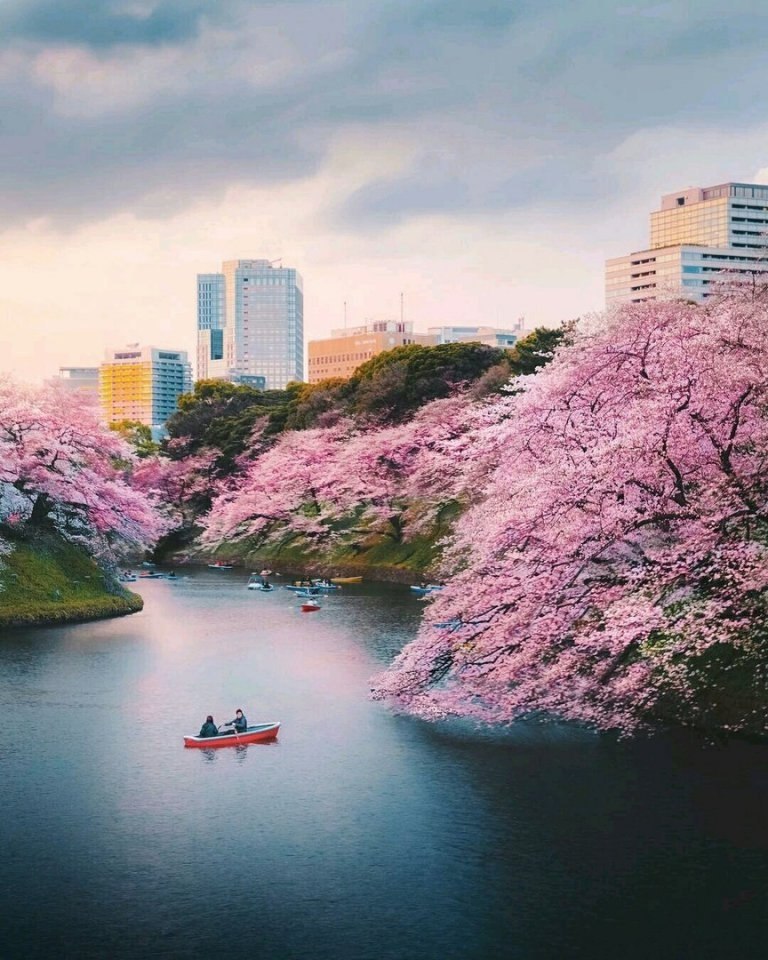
[(250, 322)]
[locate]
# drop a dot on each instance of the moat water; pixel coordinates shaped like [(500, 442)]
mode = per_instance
[(358, 835)]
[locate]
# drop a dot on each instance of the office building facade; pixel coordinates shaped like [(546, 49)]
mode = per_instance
[(701, 237), (143, 384), (250, 324), (345, 350)]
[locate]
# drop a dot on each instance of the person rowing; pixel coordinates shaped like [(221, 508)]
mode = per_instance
[(239, 723)]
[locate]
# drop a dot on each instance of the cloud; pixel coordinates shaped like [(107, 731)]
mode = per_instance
[(150, 106), (102, 23)]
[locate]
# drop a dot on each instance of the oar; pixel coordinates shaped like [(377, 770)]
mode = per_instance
[(234, 729)]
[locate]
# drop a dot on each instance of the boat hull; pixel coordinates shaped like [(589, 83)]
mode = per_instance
[(257, 733)]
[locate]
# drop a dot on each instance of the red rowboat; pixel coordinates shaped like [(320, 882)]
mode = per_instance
[(254, 734), (309, 606)]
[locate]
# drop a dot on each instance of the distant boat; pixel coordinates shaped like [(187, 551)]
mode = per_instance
[(310, 606), (128, 578), (258, 732), (346, 579), (427, 588), (147, 563), (220, 566), (152, 575)]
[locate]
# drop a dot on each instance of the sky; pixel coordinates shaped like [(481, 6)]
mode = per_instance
[(481, 157)]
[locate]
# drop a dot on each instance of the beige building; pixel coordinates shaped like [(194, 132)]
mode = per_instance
[(342, 353), (700, 237)]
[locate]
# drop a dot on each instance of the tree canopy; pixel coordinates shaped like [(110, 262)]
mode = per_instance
[(617, 544)]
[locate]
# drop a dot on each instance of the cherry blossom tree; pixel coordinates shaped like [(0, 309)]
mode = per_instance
[(617, 542), (286, 489), (60, 467), (388, 480), (181, 488)]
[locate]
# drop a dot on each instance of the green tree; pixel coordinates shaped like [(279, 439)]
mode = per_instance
[(392, 385), (139, 435), (222, 415)]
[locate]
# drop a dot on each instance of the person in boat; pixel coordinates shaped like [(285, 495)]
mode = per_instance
[(239, 723), (209, 728)]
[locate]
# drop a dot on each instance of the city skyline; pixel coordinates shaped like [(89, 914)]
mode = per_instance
[(481, 158)]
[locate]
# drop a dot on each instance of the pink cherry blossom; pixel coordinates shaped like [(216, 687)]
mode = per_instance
[(619, 531), (60, 466)]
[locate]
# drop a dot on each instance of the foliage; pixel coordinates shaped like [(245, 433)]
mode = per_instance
[(181, 488), (391, 386), (138, 435), (537, 349), (619, 534), (221, 416), (61, 468), (391, 480)]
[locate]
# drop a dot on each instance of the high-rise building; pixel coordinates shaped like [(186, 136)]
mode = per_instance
[(700, 237), (143, 384), (342, 353), (250, 323)]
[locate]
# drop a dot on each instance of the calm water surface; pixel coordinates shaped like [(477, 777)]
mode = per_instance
[(358, 834)]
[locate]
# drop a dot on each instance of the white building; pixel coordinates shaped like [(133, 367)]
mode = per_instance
[(250, 323), (700, 237), (489, 336)]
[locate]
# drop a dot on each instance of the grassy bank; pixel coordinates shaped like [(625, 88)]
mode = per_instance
[(355, 552), (46, 580)]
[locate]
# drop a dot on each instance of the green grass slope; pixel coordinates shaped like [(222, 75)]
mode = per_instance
[(46, 580)]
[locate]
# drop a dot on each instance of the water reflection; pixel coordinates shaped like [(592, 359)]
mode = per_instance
[(385, 838)]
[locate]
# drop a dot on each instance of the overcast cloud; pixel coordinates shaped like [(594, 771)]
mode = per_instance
[(552, 120)]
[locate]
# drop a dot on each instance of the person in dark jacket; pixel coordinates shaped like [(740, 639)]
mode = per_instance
[(239, 723), (209, 728)]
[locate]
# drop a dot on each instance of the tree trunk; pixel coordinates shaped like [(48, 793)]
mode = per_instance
[(40, 510)]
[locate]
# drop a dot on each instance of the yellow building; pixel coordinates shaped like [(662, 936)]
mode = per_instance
[(143, 384), (342, 353)]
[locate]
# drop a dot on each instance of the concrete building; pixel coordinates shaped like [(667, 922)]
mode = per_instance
[(143, 384), (250, 323), (342, 353), (78, 380), (489, 336), (700, 237)]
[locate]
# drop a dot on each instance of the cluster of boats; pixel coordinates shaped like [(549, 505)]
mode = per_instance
[(128, 576), (308, 591)]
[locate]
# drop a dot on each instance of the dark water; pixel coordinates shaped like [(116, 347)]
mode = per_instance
[(358, 834)]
